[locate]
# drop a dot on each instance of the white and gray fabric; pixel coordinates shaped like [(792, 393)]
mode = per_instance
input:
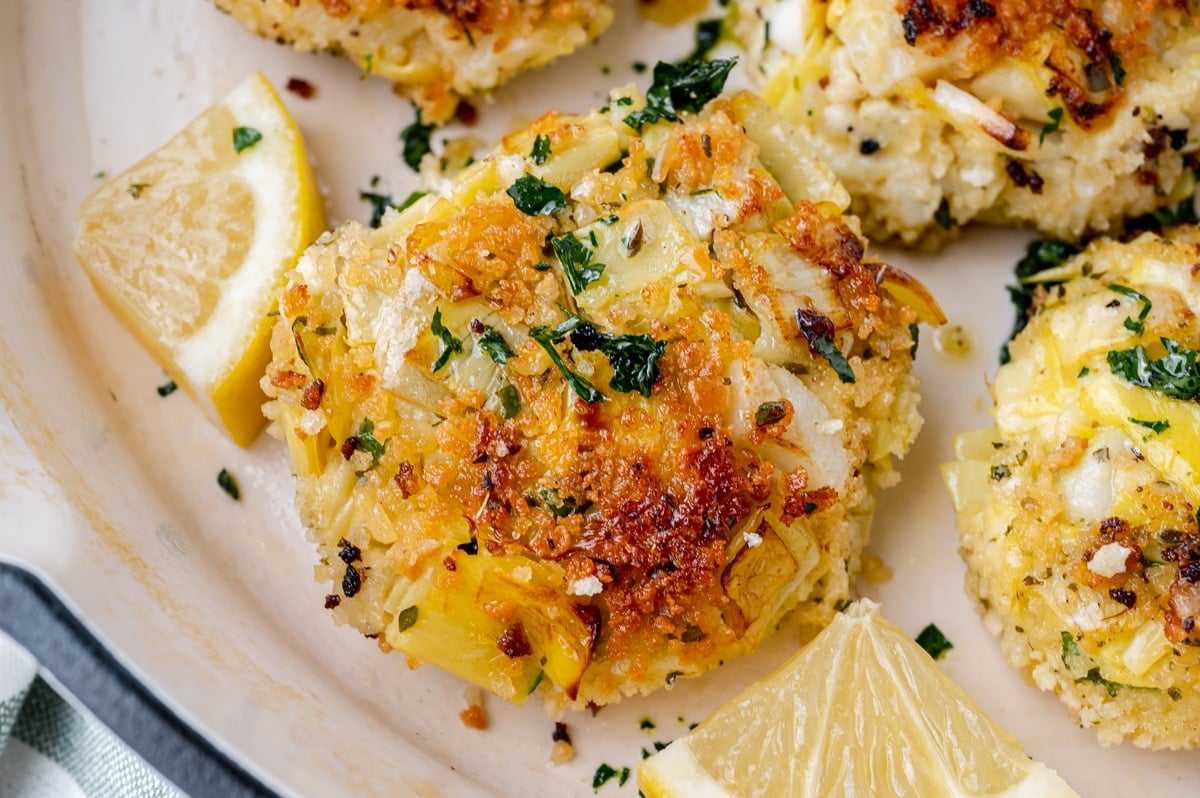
[(52, 747)]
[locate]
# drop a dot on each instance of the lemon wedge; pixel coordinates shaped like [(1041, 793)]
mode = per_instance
[(188, 247), (861, 711)]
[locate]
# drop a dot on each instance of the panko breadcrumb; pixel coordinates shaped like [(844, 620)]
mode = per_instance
[(599, 414), (1078, 511), (435, 52), (1065, 116)]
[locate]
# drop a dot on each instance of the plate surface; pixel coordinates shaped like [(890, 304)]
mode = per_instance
[(109, 492)]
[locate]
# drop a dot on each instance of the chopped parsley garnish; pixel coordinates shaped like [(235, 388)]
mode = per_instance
[(368, 66), (646, 724), (416, 140), (510, 401), (1157, 427), (634, 358), (535, 197), (366, 441), (244, 138), (1056, 116), (1139, 326), (1093, 676), (708, 33), (602, 776), (541, 150), (494, 344), (914, 330), (450, 344), (934, 642), (769, 413), (407, 618), (546, 336), (1175, 374), (1117, 69), (1000, 472), (136, 189), (167, 389), (229, 484), (818, 332), (1083, 372), (381, 202), (1039, 256), (835, 357), (942, 215), (576, 260), (685, 86), (1069, 647)]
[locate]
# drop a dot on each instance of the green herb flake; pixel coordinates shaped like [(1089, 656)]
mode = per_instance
[(542, 266), (1093, 676), (416, 140), (934, 642), (492, 342), (1083, 372), (535, 197), (914, 331), (167, 388), (1039, 256), (708, 34), (828, 350), (941, 216), (541, 150), (381, 202), (1158, 427), (624, 777), (769, 413), (229, 484), (368, 66), (602, 776), (136, 189), (379, 205), (634, 360), (576, 259), (1056, 116), (1134, 326), (546, 336), (450, 344), (244, 138), (365, 440), (646, 724), (686, 86), (1118, 69), (1069, 647), (407, 618), (1176, 374), (1000, 472), (510, 401)]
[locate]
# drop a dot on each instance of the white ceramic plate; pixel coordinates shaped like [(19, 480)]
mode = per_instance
[(109, 492)]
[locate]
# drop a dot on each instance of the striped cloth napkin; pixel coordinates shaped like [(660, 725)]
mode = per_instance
[(52, 747)]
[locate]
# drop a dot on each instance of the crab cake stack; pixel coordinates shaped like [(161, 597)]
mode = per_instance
[(1064, 116), (602, 412), (1078, 511)]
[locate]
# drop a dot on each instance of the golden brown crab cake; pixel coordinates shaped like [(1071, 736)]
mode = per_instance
[(435, 52), (1078, 510), (1065, 116), (598, 415)]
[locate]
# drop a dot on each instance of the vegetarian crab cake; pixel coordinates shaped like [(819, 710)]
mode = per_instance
[(435, 52), (1066, 116), (602, 412), (1078, 510)]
